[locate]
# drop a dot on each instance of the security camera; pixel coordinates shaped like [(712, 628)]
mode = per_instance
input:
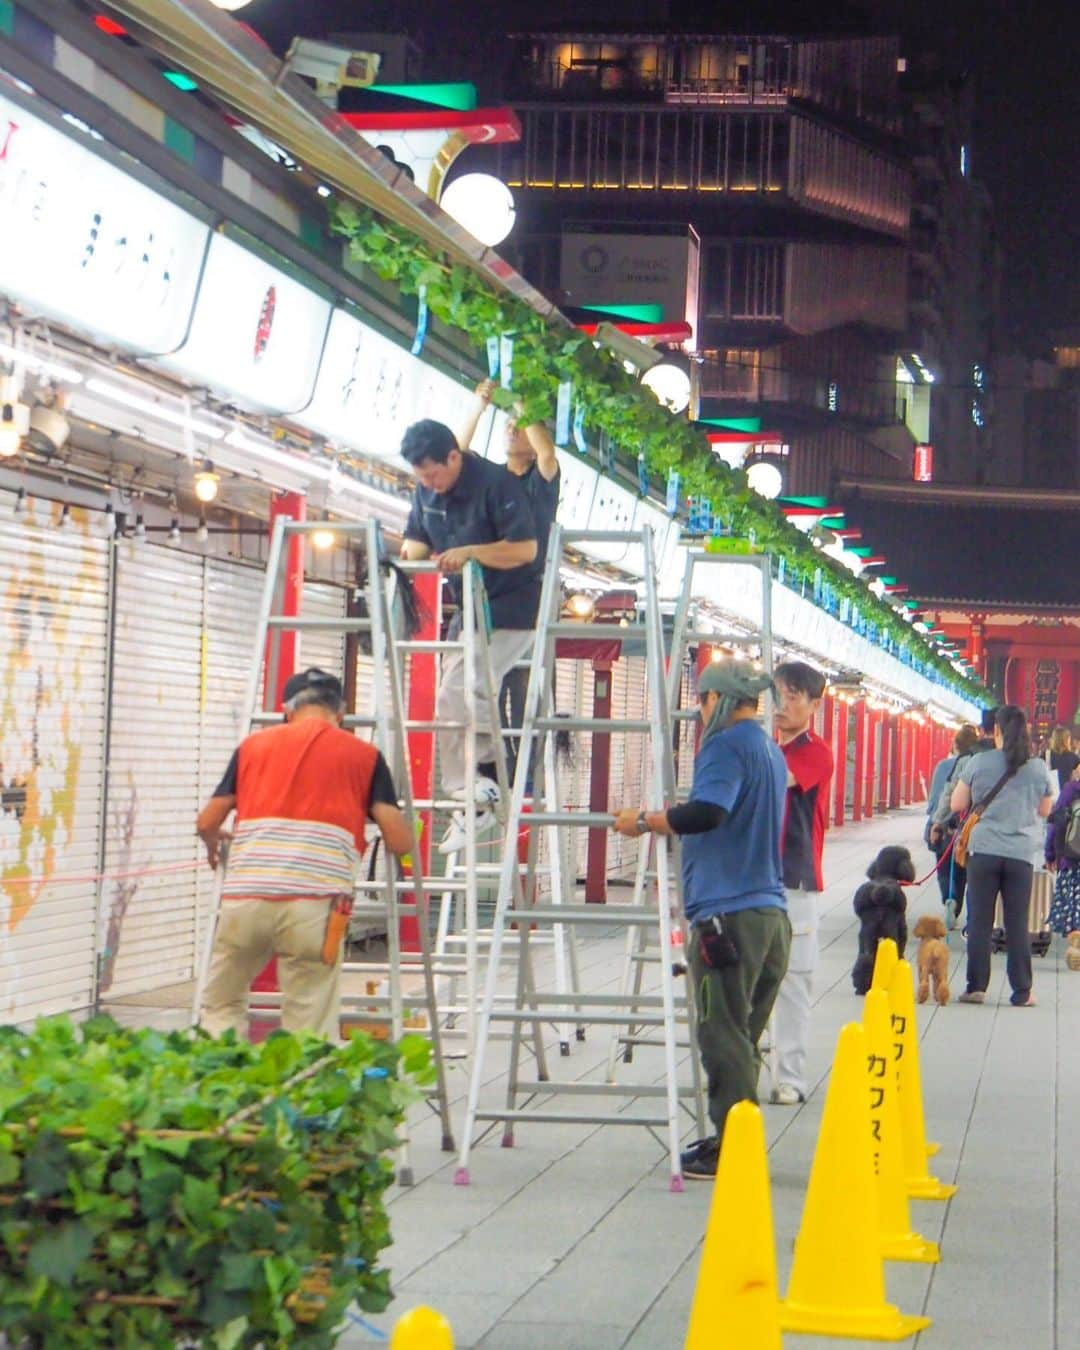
[(627, 348), (49, 429), (332, 67)]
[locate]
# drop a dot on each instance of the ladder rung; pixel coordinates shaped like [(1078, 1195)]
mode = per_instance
[(616, 1001), (569, 1118), (559, 1014), (602, 724), (728, 639), (593, 819), (602, 537), (297, 622), (434, 726), (349, 721), (686, 714), (604, 1089), (598, 914), (421, 645), (605, 632)]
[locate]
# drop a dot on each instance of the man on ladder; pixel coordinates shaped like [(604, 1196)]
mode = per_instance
[(466, 509), (732, 888), (303, 793)]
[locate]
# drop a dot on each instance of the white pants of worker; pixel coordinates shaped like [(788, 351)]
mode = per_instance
[(507, 646), (791, 1011)]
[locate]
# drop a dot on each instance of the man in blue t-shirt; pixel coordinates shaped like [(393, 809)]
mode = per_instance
[(733, 888)]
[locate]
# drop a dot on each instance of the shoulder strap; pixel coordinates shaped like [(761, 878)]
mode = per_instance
[(980, 807)]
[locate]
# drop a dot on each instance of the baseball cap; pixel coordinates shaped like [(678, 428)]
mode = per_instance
[(312, 678)]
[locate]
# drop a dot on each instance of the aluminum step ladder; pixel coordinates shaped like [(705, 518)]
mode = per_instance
[(533, 1100), (690, 628), (392, 896)]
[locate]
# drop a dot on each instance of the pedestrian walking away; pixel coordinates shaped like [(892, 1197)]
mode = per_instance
[(303, 793), (1010, 791), (1061, 853), (732, 888)]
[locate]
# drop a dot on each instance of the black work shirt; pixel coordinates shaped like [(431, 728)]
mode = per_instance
[(543, 495), (485, 505)]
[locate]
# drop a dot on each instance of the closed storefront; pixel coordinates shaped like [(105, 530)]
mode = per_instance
[(53, 663)]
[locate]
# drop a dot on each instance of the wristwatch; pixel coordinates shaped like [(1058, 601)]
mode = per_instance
[(641, 825)]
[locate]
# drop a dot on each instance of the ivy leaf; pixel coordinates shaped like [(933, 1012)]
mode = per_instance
[(9, 1169), (58, 1255), (231, 1334), (46, 1167)]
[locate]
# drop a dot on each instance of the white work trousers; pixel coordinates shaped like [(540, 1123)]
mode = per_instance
[(791, 1012), (507, 647)]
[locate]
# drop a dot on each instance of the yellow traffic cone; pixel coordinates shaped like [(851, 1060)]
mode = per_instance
[(905, 1034), (736, 1303), (837, 1283), (899, 1241), (885, 959), (422, 1329)]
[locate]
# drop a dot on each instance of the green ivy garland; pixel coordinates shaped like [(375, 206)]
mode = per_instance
[(546, 355)]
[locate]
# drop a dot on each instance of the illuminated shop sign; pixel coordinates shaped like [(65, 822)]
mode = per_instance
[(83, 243)]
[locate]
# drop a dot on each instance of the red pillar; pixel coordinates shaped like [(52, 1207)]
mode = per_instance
[(840, 772), (861, 731), (895, 761), (599, 788), (828, 734)]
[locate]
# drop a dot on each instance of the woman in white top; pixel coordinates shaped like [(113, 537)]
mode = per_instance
[(1001, 850)]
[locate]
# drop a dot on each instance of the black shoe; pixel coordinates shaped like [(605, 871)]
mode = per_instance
[(701, 1167), (699, 1160)]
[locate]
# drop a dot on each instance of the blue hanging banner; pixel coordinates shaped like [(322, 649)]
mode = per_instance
[(642, 476), (817, 585), (562, 414), (421, 321), (672, 492), (506, 360), (845, 609), (781, 569), (605, 452), (579, 430), (493, 357)]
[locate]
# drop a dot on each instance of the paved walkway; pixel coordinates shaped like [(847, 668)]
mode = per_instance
[(571, 1240)]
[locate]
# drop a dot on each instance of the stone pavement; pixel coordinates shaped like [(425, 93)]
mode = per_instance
[(571, 1240)]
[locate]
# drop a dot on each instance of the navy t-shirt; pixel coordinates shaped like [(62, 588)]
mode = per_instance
[(737, 865), (543, 495), (484, 506)]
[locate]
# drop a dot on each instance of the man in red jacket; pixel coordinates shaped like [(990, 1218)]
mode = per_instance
[(800, 689), (303, 793)]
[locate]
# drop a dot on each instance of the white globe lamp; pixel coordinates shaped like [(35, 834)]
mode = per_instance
[(670, 384), (481, 204), (230, 5), (766, 479)]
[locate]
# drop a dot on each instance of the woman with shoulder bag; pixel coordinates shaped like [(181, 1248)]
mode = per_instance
[(1009, 791), (1061, 860)]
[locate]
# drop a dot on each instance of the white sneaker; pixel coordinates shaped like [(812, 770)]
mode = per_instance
[(485, 792), (453, 841), (786, 1095)]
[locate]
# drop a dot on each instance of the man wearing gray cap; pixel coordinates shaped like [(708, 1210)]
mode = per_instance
[(733, 888), (302, 792)]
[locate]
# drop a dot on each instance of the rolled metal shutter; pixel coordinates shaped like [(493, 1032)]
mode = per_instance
[(54, 663), (154, 769), (325, 649)]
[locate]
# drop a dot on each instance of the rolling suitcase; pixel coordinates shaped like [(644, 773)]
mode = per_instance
[(1042, 893)]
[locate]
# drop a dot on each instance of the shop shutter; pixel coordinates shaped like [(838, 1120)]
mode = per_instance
[(572, 679), (154, 768), (53, 660)]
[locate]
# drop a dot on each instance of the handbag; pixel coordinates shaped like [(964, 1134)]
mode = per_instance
[(963, 838)]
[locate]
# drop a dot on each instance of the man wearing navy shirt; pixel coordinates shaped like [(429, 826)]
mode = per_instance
[(809, 761), (466, 509), (733, 888)]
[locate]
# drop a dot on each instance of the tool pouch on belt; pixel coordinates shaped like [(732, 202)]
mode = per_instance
[(337, 923), (718, 948)]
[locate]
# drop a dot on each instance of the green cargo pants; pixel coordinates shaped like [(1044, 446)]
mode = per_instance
[(733, 1005)]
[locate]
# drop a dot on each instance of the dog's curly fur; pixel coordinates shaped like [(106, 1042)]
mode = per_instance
[(933, 959), (881, 906)]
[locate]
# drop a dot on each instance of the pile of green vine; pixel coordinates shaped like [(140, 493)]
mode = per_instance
[(547, 355), (161, 1190)]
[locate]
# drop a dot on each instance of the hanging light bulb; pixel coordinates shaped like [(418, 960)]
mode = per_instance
[(202, 534), (323, 538), (140, 528), (174, 531), (206, 482), (108, 525), (19, 509), (65, 517)]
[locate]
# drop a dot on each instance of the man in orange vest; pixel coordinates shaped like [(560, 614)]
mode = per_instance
[(303, 793)]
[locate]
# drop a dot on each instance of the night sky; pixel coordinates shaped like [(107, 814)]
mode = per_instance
[(1024, 58)]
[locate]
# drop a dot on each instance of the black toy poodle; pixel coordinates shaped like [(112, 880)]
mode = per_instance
[(881, 907)]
